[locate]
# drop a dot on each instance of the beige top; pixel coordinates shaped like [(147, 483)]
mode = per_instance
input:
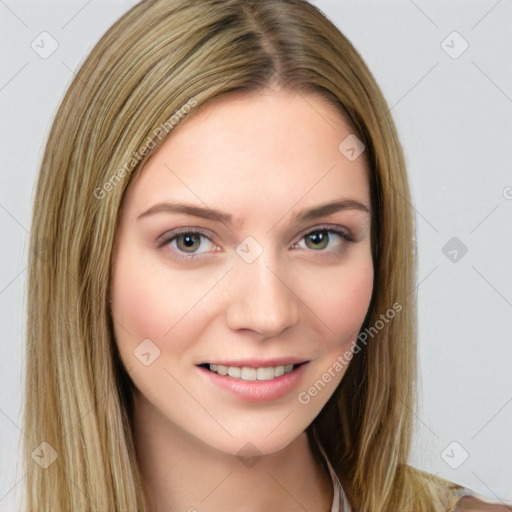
[(467, 501), (340, 501)]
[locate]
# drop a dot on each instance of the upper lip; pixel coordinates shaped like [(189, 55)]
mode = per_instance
[(258, 363)]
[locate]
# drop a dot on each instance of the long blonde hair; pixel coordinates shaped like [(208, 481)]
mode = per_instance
[(168, 57)]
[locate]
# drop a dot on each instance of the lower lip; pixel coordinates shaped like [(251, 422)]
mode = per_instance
[(258, 390)]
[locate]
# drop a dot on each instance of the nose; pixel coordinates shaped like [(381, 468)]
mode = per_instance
[(263, 300)]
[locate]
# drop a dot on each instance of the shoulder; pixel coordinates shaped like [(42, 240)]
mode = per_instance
[(446, 496), (468, 501)]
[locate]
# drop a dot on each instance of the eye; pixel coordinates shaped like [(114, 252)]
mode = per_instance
[(187, 244), (194, 243), (320, 238)]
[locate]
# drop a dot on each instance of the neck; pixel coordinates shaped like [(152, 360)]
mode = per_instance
[(183, 473)]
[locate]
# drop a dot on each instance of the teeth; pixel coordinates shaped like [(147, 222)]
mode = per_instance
[(279, 370), (246, 373), (269, 373), (221, 369), (234, 371)]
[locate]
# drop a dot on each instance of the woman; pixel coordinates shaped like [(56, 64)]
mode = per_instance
[(224, 316)]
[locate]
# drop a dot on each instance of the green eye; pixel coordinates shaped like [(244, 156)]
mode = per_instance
[(317, 240), (188, 242), (321, 239)]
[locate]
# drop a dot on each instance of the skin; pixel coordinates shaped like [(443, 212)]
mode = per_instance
[(262, 158)]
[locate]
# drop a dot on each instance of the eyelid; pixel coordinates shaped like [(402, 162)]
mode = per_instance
[(168, 236), (326, 227), (166, 239)]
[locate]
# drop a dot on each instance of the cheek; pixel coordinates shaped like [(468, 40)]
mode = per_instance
[(150, 301), (344, 302), (137, 303)]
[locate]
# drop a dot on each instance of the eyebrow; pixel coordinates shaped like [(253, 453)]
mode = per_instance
[(226, 218)]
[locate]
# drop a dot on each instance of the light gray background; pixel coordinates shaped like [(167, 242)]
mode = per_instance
[(454, 117)]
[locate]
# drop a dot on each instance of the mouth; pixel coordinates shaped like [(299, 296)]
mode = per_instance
[(252, 373)]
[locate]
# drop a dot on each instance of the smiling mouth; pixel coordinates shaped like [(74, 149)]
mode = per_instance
[(251, 374)]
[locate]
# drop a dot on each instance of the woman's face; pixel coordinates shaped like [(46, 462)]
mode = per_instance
[(226, 254)]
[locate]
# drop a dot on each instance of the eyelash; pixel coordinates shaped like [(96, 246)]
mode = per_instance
[(167, 239)]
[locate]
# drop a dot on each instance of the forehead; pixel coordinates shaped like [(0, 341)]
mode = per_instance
[(253, 150)]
